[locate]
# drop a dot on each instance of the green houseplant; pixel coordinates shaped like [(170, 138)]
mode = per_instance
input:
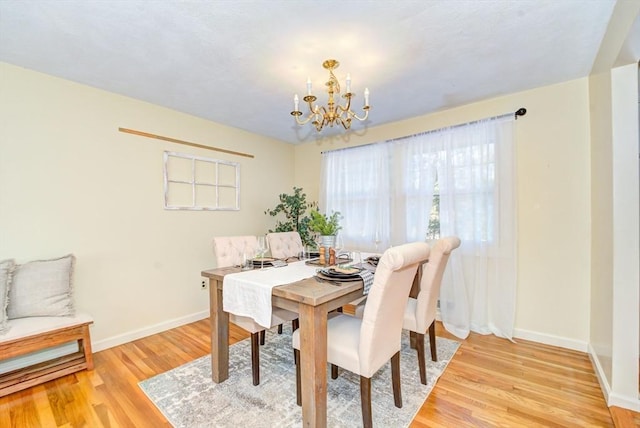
[(294, 207), (326, 226)]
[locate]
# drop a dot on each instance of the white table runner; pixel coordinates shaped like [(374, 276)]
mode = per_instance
[(249, 293)]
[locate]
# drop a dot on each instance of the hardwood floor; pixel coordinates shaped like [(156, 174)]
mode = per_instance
[(491, 382)]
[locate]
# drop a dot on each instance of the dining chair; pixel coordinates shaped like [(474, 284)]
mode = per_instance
[(228, 251), (285, 244), (420, 312), (363, 346)]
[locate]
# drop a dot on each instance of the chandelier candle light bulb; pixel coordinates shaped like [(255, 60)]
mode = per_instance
[(333, 112)]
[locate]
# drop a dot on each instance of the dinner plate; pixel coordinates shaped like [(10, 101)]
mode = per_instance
[(266, 261), (316, 261), (339, 279), (333, 273)]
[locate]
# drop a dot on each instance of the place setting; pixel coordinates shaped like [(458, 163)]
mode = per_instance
[(346, 270)]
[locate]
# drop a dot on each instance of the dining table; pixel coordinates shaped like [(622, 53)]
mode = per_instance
[(312, 300)]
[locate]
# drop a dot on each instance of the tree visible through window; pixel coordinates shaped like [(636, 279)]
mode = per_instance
[(433, 232)]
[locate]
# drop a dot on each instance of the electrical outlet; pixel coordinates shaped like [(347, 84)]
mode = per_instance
[(204, 284)]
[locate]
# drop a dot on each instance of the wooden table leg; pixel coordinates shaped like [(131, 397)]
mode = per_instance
[(313, 365), (219, 320)]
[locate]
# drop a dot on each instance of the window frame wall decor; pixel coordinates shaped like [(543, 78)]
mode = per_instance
[(219, 180)]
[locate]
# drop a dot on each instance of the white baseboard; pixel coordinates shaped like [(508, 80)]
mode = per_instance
[(624, 402), (130, 336), (602, 378), (549, 339), (612, 398)]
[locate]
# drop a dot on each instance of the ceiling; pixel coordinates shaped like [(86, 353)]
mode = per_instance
[(240, 62)]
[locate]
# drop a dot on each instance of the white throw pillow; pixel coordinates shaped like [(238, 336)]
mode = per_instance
[(6, 269), (42, 288)]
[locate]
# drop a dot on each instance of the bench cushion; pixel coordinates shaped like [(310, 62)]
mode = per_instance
[(6, 269), (42, 288), (24, 327)]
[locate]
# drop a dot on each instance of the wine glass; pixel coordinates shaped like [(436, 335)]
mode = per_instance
[(338, 246), (262, 248), (247, 259), (376, 239)]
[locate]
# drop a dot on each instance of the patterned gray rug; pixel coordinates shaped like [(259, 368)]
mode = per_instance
[(188, 397)]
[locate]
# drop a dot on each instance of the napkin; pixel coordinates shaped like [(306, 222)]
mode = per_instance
[(367, 279)]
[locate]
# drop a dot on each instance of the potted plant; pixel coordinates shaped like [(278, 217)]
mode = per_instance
[(294, 207), (326, 226)]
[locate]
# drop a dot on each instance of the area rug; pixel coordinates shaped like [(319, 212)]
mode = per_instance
[(188, 397)]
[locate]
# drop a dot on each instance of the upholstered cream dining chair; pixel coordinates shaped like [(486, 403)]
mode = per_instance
[(362, 346), (284, 244), (420, 312), (228, 251)]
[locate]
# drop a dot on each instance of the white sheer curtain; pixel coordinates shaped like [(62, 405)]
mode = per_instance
[(474, 165), (355, 182), (388, 188)]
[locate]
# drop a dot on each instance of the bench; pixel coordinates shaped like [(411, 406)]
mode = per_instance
[(31, 334)]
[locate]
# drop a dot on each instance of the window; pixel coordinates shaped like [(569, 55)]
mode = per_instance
[(424, 187), (199, 183)]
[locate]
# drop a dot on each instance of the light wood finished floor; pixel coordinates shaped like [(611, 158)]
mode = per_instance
[(490, 382)]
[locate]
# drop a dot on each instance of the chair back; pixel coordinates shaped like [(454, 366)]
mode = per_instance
[(228, 250), (431, 281), (284, 244), (381, 327)]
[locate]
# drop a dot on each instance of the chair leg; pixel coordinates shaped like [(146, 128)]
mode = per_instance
[(395, 379), (421, 359), (365, 401), (432, 341), (296, 354), (255, 358), (295, 324), (334, 371), (262, 334), (279, 328), (412, 339)]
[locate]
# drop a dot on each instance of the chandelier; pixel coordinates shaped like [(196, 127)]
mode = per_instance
[(322, 116)]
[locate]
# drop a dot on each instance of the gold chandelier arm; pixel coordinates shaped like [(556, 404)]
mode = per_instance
[(347, 108), (346, 124), (366, 114), (303, 122)]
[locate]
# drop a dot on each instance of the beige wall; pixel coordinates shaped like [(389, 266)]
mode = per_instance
[(553, 201), (71, 183)]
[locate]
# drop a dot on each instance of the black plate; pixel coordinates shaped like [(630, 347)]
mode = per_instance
[(266, 261), (333, 278), (332, 273)]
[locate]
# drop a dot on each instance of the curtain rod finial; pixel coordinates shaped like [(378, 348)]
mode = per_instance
[(520, 112)]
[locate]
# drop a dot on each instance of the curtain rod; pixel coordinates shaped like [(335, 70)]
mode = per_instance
[(520, 112)]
